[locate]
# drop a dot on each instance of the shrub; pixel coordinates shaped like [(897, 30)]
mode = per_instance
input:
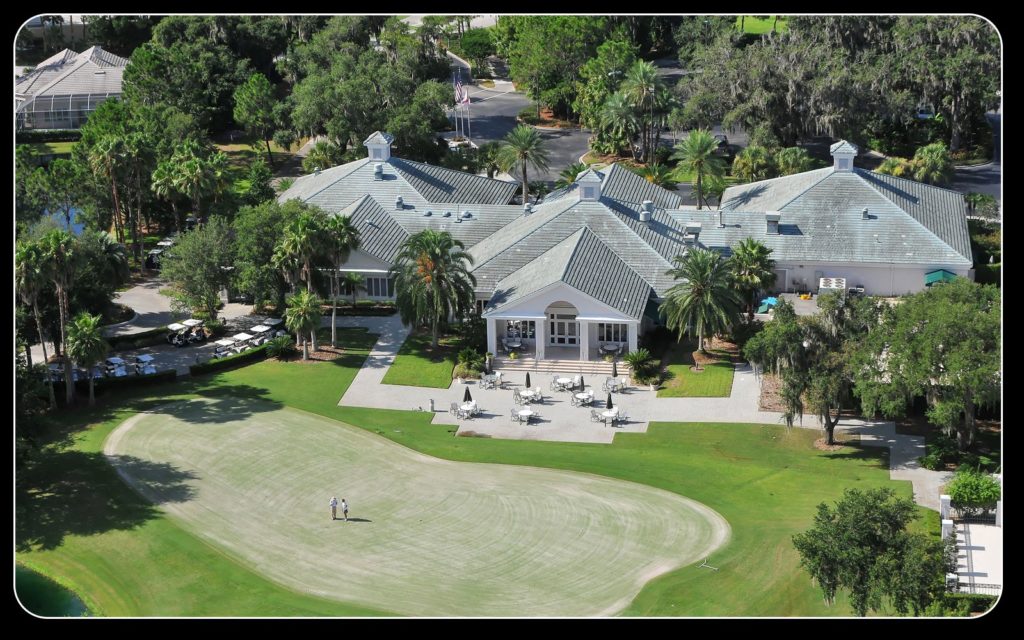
[(742, 332), (466, 370), (469, 356), (281, 347), (645, 370), (238, 360), (931, 461), (972, 491)]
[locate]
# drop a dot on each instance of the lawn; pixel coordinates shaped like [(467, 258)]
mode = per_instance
[(57, 148), (715, 381), (417, 364), (758, 26), (78, 522)]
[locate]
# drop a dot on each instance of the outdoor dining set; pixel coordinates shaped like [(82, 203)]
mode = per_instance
[(241, 342)]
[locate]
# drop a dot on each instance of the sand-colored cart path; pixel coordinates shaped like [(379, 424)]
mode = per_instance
[(429, 537)]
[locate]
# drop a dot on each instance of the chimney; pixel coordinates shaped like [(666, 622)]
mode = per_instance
[(378, 171), (399, 203), (316, 172), (843, 153), (864, 214), (691, 232), (772, 218), (590, 185), (646, 211), (378, 146)]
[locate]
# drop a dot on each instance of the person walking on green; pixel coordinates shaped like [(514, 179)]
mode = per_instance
[(344, 509), (334, 508)]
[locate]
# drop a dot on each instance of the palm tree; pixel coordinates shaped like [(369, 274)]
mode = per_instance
[(752, 270), (641, 90), (696, 155), (165, 186), (30, 280), (569, 174), (896, 166), (523, 146), (60, 260), (432, 279), (302, 317), (340, 238), (104, 159), (488, 155), (705, 300), (303, 239), (619, 122), (657, 174), (86, 345), (192, 176), (714, 187), (932, 164), (752, 164), (354, 282), (323, 155), (218, 174), (793, 160)]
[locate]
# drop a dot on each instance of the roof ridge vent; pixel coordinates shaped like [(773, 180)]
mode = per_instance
[(646, 211), (399, 203), (378, 171), (864, 214), (428, 212), (527, 209), (447, 214), (467, 215)]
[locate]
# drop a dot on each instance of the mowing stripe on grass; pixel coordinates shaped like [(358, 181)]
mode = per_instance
[(433, 537)]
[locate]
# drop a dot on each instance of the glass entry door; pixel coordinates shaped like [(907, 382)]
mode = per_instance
[(564, 330)]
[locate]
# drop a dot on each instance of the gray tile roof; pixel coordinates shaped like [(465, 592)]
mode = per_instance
[(622, 184), (439, 184), (921, 223), (94, 71), (379, 137), (843, 147), (379, 234), (419, 185), (581, 261)]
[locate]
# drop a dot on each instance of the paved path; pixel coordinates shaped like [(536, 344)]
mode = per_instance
[(560, 421)]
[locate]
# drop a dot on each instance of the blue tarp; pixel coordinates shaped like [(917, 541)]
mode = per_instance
[(770, 301)]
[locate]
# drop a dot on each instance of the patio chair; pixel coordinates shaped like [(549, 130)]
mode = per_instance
[(516, 398), (539, 397), (622, 417), (574, 401), (554, 384), (515, 416), (453, 409), (498, 380), (576, 381), (595, 416)]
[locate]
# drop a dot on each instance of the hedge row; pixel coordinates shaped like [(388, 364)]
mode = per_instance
[(138, 340), (237, 360), (103, 384), (53, 135)]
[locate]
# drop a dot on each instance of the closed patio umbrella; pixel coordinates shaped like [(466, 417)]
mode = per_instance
[(467, 397), (608, 405), (615, 368), (527, 379), (583, 385)]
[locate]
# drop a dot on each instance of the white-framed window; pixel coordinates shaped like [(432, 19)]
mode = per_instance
[(380, 287), (377, 155), (844, 164), (607, 332), (521, 328), (589, 193)]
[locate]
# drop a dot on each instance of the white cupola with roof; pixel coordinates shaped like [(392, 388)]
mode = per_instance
[(379, 146), (590, 185), (843, 153)]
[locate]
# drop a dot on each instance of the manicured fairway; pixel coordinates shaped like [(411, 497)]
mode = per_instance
[(433, 537)]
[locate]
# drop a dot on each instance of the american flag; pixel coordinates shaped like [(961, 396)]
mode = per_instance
[(461, 95)]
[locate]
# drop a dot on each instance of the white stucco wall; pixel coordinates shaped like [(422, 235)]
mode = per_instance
[(881, 280)]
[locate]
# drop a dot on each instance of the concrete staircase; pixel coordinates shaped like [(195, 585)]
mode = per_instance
[(572, 367)]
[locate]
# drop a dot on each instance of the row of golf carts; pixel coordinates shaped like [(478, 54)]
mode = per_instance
[(112, 367), (187, 332), (253, 337)]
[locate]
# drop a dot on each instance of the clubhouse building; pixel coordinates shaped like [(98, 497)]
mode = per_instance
[(586, 267)]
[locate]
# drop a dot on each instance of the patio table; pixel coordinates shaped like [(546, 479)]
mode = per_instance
[(610, 416), (585, 398), (608, 348), (526, 414), (564, 381)]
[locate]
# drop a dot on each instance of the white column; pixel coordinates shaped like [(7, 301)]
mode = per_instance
[(632, 329), (584, 330), (947, 529), (540, 337), (944, 501), (492, 335)]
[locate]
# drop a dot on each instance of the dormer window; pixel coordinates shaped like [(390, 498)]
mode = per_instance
[(377, 154), (589, 193), (843, 164)]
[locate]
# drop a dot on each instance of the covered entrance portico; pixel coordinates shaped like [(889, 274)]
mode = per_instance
[(564, 324)]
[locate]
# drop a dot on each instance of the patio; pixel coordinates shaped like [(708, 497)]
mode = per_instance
[(556, 418)]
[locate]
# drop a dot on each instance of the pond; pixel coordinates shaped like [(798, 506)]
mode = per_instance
[(44, 597), (76, 227)]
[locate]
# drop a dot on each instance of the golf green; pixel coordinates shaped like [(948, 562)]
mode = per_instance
[(426, 536)]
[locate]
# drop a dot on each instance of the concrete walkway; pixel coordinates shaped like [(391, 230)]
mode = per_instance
[(560, 421)]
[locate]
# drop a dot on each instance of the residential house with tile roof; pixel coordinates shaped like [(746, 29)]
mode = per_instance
[(586, 267), (64, 89)]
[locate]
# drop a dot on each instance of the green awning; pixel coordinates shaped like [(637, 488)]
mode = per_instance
[(940, 275)]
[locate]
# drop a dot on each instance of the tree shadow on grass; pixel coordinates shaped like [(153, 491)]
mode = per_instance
[(224, 403), (874, 456), (78, 493)]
